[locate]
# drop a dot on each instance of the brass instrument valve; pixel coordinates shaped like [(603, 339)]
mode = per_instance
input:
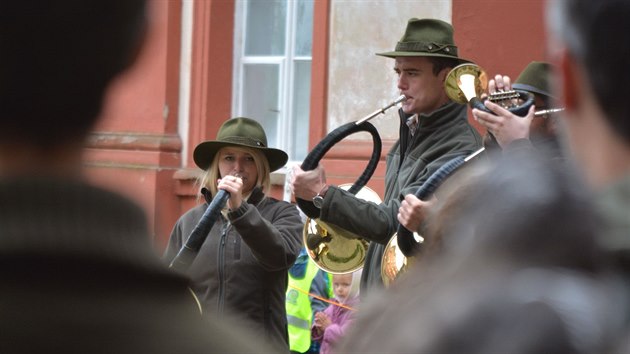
[(506, 99)]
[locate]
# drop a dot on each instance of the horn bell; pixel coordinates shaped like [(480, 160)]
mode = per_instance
[(331, 247), (394, 263), (464, 82)]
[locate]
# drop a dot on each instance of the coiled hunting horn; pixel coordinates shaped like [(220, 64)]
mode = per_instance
[(333, 248), (312, 159)]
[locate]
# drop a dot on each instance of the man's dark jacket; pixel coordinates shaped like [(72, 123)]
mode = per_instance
[(440, 136)]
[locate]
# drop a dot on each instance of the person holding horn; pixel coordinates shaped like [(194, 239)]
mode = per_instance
[(510, 131), (242, 267), (506, 130), (433, 130)]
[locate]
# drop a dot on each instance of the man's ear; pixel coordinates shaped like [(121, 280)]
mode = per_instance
[(443, 73)]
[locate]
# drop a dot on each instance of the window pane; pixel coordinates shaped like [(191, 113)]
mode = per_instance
[(260, 97), (304, 28), (301, 105), (265, 28)]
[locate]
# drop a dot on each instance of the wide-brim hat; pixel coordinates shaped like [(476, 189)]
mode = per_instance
[(535, 78), (239, 132), (426, 38)]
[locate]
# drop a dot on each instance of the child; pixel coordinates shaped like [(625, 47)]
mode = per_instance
[(329, 326)]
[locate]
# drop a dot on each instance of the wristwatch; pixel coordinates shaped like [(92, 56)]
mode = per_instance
[(318, 200)]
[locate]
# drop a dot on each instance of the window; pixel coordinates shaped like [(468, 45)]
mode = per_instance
[(272, 69)]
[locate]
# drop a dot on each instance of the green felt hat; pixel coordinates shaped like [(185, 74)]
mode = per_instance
[(535, 79), (426, 38), (239, 132)]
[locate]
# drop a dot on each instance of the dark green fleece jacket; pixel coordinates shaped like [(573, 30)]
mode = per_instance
[(441, 136)]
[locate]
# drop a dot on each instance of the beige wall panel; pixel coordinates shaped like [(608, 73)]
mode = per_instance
[(361, 82)]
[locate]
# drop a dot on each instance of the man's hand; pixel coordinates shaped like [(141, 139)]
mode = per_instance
[(413, 212), (505, 126), (499, 83), (306, 184)]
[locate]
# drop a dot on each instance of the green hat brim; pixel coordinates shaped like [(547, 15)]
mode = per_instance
[(395, 54), (205, 152)]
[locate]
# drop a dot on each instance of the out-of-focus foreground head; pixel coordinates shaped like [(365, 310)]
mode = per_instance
[(57, 60), (597, 36), (517, 261)]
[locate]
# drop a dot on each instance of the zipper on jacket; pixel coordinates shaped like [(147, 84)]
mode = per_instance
[(221, 302)]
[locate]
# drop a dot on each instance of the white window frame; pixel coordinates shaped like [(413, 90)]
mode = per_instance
[(285, 140)]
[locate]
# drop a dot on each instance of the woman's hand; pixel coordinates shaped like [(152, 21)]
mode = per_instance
[(234, 186)]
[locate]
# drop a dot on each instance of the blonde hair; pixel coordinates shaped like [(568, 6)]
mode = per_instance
[(209, 178)]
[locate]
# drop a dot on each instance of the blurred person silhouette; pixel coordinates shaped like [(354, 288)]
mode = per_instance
[(512, 267), (308, 289), (597, 111), (590, 44), (242, 267), (79, 273), (330, 325)]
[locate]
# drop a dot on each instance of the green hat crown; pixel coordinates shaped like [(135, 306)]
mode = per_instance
[(426, 37), (535, 79), (239, 132)]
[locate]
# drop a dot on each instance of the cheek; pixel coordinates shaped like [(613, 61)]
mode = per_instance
[(422, 87), (224, 170), (414, 86), (252, 171)]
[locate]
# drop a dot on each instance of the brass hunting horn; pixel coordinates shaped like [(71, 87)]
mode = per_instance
[(466, 82), (333, 248)]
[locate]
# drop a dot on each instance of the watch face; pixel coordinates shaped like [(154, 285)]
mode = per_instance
[(318, 201)]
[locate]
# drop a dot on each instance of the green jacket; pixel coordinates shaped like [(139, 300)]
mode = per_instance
[(441, 136), (242, 267)]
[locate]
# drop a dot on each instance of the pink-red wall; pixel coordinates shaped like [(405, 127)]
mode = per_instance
[(138, 150), (500, 36)]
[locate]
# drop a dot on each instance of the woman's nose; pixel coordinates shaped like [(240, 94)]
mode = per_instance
[(238, 166)]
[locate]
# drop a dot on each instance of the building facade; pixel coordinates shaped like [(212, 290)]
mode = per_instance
[(301, 67)]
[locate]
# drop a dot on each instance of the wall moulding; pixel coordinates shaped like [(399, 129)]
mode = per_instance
[(135, 141)]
